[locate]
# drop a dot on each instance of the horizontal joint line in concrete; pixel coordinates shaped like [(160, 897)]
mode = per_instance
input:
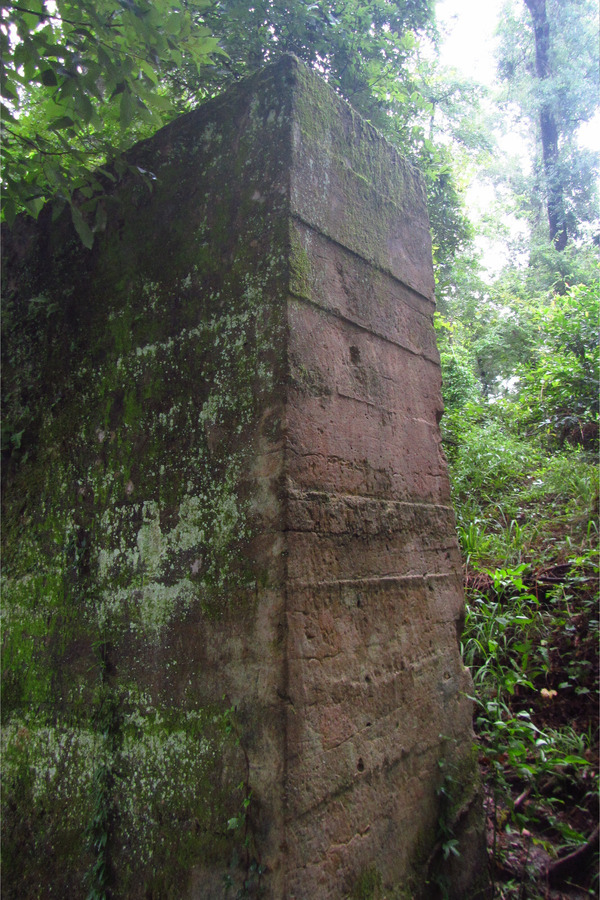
[(369, 262), (382, 337), (295, 494), (375, 580)]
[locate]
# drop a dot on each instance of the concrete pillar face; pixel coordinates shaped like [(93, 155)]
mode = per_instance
[(232, 588)]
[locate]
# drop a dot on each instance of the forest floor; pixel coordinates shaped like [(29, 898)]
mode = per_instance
[(542, 821)]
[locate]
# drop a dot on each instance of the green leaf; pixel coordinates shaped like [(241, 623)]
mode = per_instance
[(34, 206), (61, 123), (7, 115), (161, 102), (126, 109), (148, 71), (49, 78), (82, 228), (119, 88), (8, 91), (107, 174), (9, 211)]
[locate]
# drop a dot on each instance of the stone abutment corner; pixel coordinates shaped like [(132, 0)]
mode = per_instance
[(232, 587)]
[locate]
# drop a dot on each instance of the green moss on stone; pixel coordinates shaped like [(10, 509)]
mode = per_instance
[(135, 382), (368, 885)]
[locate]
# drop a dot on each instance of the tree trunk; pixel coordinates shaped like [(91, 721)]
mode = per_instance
[(548, 127)]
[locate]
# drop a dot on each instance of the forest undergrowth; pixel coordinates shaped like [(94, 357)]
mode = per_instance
[(527, 519)]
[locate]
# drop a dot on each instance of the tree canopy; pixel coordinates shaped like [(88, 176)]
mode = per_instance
[(548, 62), (81, 80)]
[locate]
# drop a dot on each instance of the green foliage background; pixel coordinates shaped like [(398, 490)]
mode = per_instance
[(82, 81)]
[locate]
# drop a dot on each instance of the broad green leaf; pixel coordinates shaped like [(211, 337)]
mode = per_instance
[(34, 206), (61, 123), (148, 71), (49, 78), (7, 115), (127, 109), (81, 227), (9, 210)]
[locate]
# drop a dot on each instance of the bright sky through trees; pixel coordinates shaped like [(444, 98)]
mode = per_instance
[(468, 44), (468, 27)]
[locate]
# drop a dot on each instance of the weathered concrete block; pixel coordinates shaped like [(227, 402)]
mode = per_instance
[(232, 586)]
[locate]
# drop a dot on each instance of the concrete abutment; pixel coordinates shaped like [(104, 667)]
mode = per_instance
[(232, 586)]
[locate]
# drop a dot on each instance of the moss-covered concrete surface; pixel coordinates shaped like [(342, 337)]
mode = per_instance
[(142, 427), (189, 523)]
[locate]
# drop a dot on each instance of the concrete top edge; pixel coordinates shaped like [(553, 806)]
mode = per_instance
[(341, 176), (346, 180)]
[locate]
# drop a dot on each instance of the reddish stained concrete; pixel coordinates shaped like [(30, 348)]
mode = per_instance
[(375, 685)]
